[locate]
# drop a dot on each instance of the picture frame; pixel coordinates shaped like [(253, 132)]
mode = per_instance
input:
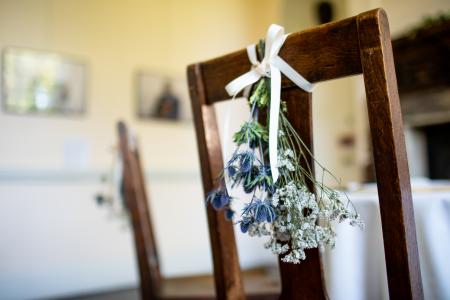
[(42, 83), (160, 97)]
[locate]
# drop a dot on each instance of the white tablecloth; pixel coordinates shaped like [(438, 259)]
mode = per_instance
[(356, 267)]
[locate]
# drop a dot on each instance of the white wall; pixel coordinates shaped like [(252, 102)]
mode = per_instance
[(53, 239)]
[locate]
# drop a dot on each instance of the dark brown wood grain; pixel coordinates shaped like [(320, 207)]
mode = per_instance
[(328, 51), (225, 258), (134, 193), (352, 46), (391, 164)]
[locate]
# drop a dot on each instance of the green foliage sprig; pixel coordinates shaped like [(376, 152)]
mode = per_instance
[(251, 133)]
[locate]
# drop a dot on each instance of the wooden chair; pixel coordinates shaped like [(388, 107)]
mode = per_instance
[(152, 285), (357, 45)]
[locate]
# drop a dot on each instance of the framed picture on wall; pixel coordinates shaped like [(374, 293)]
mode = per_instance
[(161, 97), (40, 82)]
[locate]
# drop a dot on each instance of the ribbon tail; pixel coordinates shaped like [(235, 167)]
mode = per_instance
[(293, 75), (238, 84), (275, 94)]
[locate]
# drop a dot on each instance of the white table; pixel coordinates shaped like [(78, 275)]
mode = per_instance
[(355, 269)]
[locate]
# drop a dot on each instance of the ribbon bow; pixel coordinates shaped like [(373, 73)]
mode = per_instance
[(271, 66)]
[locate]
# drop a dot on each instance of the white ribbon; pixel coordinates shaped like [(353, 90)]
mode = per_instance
[(271, 66)]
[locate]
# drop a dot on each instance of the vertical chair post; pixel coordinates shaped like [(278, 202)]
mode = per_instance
[(136, 200), (391, 164), (302, 281), (227, 273)]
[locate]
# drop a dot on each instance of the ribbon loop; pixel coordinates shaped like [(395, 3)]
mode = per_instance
[(271, 66)]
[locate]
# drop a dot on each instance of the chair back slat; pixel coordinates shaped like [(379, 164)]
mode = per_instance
[(358, 45), (135, 196), (329, 51)]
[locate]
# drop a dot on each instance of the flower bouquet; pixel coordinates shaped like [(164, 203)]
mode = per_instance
[(294, 210)]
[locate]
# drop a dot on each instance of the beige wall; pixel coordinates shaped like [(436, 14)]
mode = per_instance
[(333, 115), (76, 247), (116, 39)]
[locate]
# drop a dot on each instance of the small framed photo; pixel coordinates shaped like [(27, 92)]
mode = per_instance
[(39, 82), (161, 97)]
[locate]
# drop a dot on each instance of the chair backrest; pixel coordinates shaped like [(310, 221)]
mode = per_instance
[(357, 45), (135, 195)]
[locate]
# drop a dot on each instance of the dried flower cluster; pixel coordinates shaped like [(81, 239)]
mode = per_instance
[(287, 212)]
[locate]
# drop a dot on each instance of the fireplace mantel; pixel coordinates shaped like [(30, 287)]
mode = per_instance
[(422, 59), (422, 64)]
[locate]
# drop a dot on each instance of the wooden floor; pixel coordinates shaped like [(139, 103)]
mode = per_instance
[(256, 281)]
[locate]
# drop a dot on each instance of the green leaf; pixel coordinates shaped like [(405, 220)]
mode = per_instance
[(261, 93), (251, 133)]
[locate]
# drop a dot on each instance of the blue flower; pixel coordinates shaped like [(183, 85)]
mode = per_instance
[(245, 224), (264, 171), (231, 171), (260, 210), (218, 198), (249, 180), (229, 213), (235, 157), (246, 161), (242, 170), (260, 176)]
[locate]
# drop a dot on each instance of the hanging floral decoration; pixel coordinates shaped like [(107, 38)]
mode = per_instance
[(281, 208), (111, 195)]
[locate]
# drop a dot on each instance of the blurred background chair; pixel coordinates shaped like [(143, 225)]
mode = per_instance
[(352, 46), (152, 284)]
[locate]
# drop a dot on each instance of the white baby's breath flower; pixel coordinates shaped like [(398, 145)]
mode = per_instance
[(275, 200)]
